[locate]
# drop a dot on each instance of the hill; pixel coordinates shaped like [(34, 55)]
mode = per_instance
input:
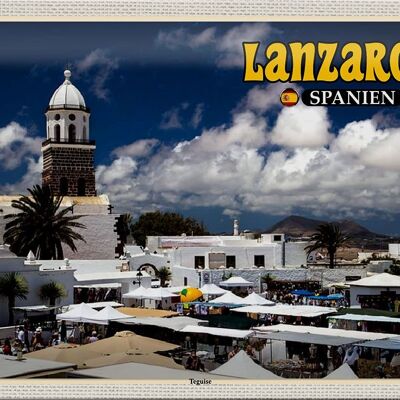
[(296, 226)]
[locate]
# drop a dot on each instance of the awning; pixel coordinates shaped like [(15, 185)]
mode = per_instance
[(284, 309), (41, 308), (386, 344), (317, 335), (233, 333), (360, 317)]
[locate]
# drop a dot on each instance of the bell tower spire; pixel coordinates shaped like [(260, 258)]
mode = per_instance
[(68, 153)]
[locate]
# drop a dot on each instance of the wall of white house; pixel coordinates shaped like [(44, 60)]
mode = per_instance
[(369, 291)]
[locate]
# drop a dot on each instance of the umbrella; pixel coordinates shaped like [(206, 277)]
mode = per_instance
[(122, 342), (122, 358), (126, 341), (190, 294), (68, 353)]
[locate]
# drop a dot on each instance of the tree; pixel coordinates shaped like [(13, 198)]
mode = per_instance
[(13, 286), (164, 275), (40, 226), (52, 291), (267, 279), (329, 236), (165, 224), (124, 227)]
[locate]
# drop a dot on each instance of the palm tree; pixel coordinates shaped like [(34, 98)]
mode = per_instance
[(52, 291), (267, 279), (164, 275), (40, 226), (329, 236), (13, 286)]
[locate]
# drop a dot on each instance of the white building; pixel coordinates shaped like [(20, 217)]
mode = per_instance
[(72, 274), (386, 286)]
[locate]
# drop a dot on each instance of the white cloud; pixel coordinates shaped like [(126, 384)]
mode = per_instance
[(227, 45), (245, 165), (16, 145), (302, 126), (137, 149), (32, 176), (184, 38), (197, 115), (171, 119), (102, 66)]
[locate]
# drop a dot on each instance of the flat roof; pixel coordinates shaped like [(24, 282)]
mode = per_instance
[(101, 276), (10, 367), (6, 200)]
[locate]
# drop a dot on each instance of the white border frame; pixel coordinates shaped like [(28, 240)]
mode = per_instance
[(198, 10)]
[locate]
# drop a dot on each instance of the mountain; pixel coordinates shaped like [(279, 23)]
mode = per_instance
[(296, 226)]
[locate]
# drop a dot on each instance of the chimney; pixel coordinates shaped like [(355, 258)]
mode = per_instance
[(235, 227)]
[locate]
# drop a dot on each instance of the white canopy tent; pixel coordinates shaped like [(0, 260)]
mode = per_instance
[(343, 372), (236, 281), (256, 299), (159, 294), (210, 289), (81, 313), (111, 314), (100, 304), (229, 298), (242, 366), (379, 280), (138, 293), (233, 333), (289, 310)]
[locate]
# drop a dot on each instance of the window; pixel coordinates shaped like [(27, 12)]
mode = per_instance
[(277, 238), (72, 133), (259, 261), (57, 133), (230, 261), (185, 281), (84, 118), (199, 261), (57, 117), (84, 133), (71, 117), (63, 186), (216, 260), (81, 187)]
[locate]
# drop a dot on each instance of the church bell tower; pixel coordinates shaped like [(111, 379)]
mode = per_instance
[(68, 153)]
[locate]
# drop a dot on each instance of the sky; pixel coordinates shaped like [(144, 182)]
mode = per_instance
[(177, 129)]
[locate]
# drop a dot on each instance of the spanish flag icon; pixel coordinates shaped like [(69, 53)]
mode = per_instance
[(289, 97)]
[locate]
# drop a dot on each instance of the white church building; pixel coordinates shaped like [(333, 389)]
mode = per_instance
[(68, 168)]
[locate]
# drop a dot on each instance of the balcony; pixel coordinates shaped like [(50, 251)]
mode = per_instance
[(68, 107), (68, 141)]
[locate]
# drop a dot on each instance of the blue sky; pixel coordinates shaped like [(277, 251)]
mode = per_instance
[(176, 128)]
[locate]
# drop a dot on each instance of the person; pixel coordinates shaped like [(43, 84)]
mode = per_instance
[(81, 333), (37, 340), (63, 331), (21, 335), (250, 351), (55, 339), (93, 338), (75, 334), (194, 363), (7, 348), (233, 352)]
